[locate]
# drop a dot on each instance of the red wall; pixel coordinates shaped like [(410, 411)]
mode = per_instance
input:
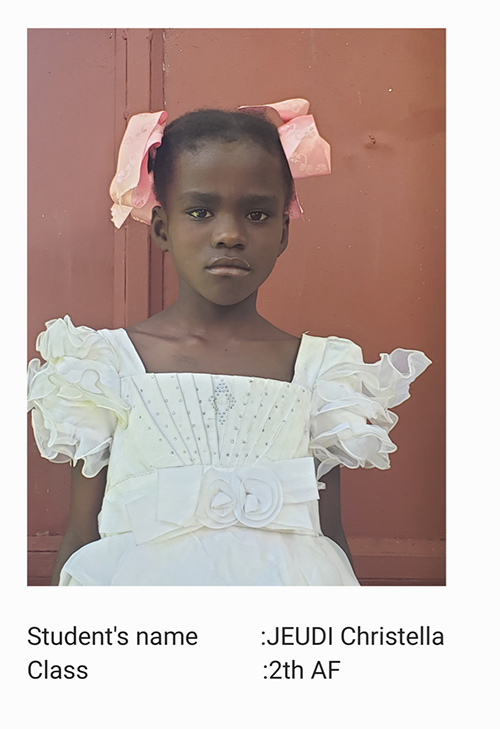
[(366, 263), (71, 148)]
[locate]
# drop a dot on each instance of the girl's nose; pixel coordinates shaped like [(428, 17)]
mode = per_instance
[(228, 234)]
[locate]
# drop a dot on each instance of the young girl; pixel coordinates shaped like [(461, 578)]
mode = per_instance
[(200, 438)]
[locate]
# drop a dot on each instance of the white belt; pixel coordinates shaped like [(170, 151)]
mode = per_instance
[(279, 496)]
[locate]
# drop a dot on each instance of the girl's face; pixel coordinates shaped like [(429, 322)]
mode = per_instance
[(224, 221)]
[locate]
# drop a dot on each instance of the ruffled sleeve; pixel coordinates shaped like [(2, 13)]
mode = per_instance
[(75, 397), (350, 416)]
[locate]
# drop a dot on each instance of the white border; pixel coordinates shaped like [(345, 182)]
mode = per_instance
[(412, 686)]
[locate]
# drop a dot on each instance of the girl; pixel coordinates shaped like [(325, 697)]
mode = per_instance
[(194, 435)]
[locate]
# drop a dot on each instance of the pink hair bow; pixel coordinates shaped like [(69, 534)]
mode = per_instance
[(307, 153), (132, 186)]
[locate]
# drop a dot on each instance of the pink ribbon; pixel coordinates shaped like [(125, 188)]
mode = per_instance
[(132, 186), (131, 190), (307, 153)]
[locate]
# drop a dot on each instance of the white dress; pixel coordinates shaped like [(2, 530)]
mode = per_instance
[(211, 478)]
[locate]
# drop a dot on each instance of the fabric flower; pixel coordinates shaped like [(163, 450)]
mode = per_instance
[(260, 496), (252, 496), (217, 500)]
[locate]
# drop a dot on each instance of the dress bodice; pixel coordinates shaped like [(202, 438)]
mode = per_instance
[(201, 449), (94, 401), (202, 419)]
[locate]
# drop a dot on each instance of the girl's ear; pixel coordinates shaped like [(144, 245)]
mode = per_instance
[(159, 228), (284, 234)]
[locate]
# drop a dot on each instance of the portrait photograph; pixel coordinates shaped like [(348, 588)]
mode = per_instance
[(249, 390)]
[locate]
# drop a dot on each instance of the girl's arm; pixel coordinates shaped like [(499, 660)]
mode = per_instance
[(329, 510), (86, 501)]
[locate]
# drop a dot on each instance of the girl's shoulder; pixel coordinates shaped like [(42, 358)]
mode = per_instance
[(75, 396), (330, 358), (351, 399), (62, 340), (316, 354)]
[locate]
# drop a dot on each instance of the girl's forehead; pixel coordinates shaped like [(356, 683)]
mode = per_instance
[(213, 157), (226, 170)]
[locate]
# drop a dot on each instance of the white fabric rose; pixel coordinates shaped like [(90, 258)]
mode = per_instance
[(252, 496), (260, 496), (217, 500)]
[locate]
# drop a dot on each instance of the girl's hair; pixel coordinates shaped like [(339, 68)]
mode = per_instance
[(190, 130)]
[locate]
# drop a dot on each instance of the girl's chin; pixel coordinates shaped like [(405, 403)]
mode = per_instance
[(227, 300), (220, 290), (229, 296)]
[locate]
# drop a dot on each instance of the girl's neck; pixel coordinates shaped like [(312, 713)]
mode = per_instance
[(202, 318)]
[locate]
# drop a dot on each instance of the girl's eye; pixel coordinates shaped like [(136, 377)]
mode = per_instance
[(257, 216), (200, 214)]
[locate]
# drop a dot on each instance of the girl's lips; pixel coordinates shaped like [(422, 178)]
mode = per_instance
[(228, 271), (226, 266)]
